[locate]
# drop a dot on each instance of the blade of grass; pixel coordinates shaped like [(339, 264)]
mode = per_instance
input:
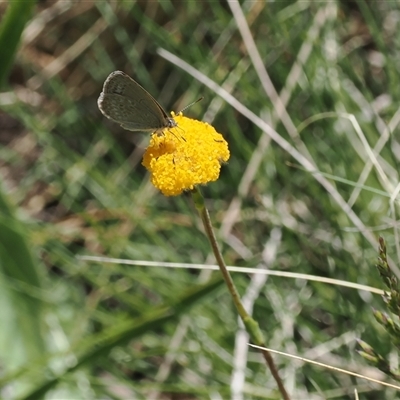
[(100, 344), (17, 15), (20, 329)]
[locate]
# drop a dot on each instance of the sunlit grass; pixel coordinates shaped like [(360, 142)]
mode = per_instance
[(310, 112)]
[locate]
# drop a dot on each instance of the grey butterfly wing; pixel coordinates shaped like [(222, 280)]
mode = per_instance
[(130, 114), (124, 101)]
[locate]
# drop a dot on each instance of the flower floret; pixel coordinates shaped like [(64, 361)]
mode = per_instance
[(188, 155)]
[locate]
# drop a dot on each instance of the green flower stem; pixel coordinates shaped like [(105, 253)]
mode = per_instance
[(251, 325)]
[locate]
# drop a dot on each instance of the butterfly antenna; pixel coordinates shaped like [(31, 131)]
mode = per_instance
[(190, 105)]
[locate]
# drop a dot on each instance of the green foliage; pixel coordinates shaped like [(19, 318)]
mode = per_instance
[(392, 327), (73, 184), (19, 294), (12, 25)]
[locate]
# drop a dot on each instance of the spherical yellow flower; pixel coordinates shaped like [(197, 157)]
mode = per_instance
[(188, 155)]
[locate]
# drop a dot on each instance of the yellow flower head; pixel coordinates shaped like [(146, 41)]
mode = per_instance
[(188, 155)]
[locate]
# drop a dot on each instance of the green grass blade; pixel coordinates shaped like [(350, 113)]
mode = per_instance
[(11, 28), (20, 330), (100, 344)]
